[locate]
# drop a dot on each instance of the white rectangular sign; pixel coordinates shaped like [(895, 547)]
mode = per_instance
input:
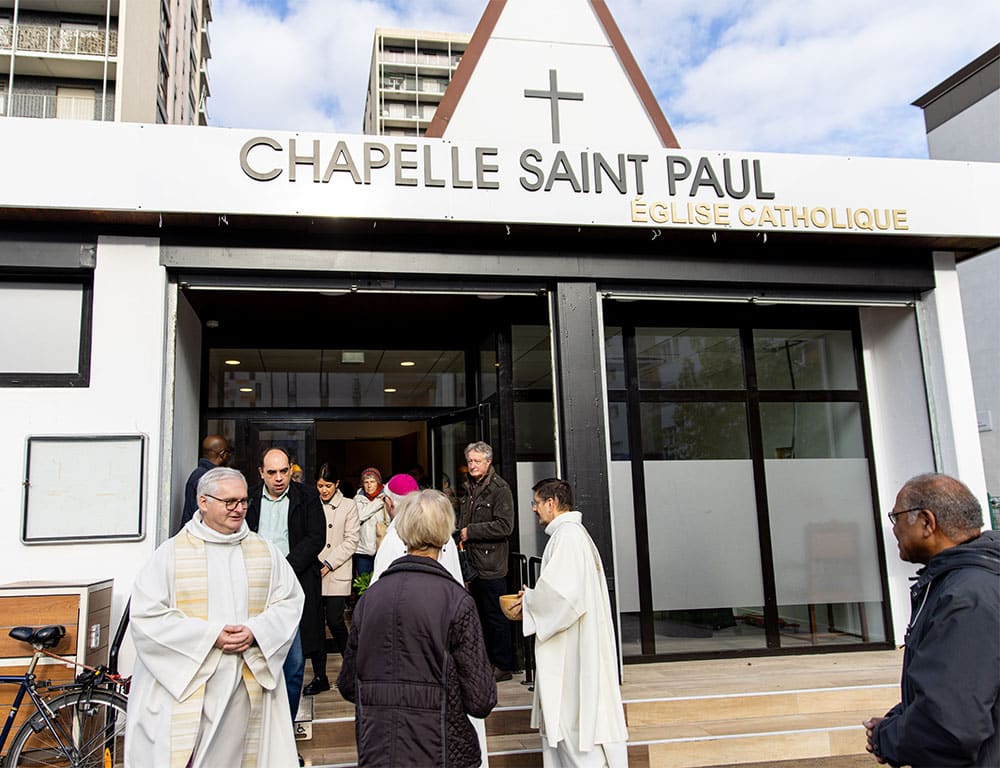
[(185, 169)]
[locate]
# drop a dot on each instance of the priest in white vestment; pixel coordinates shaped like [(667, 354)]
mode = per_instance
[(212, 615), (577, 702)]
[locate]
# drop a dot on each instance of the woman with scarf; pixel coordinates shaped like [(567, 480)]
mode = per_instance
[(372, 509)]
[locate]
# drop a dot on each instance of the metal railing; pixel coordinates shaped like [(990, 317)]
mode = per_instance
[(36, 38), (49, 106), (428, 59)]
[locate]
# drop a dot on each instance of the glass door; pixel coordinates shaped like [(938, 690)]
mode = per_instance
[(297, 438), (449, 435)]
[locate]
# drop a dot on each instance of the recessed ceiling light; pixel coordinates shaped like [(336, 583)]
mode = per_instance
[(389, 390), (407, 363), (246, 389), (232, 362)]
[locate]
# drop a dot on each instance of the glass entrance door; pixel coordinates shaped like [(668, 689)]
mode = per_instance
[(296, 437), (449, 436)]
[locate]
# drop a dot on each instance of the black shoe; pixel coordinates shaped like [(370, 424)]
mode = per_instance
[(502, 674), (317, 685), (302, 760)]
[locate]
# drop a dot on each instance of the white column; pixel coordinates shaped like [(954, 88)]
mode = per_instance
[(948, 377)]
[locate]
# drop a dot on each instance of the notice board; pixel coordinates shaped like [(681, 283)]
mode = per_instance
[(83, 488)]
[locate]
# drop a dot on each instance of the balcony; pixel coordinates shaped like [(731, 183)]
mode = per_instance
[(51, 106), (421, 59), (51, 40)]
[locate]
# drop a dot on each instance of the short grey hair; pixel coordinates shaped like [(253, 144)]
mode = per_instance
[(955, 508), (425, 519), (480, 447), (211, 480)]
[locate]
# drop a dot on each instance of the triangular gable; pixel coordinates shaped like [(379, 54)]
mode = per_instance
[(523, 53)]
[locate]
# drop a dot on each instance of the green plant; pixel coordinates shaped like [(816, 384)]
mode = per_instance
[(361, 583)]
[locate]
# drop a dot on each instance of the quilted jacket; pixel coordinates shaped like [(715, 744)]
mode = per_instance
[(415, 667)]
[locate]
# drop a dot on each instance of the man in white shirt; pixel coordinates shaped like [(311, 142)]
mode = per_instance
[(577, 702)]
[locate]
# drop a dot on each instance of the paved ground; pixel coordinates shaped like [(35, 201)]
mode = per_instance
[(850, 761)]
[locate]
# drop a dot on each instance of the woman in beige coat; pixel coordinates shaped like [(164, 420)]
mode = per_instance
[(342, 533)]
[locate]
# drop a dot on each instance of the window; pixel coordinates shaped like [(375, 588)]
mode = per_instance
[(75, 103), (46, 339)]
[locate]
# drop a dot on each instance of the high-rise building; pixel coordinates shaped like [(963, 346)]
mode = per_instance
[(409, 74), (127, 60)]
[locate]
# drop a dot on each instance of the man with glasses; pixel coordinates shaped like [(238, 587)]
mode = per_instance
[(485, 521), (215, 452), (213, 615), (290, 516), (577, 703), (950, 709)]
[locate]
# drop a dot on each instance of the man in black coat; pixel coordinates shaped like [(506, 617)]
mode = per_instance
[(290, 516), (950, 709), (485, 522)]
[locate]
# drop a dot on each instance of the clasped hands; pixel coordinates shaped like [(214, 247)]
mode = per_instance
[(234, 638), (869, 725)]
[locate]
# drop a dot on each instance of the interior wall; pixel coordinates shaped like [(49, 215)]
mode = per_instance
[(186, 440)]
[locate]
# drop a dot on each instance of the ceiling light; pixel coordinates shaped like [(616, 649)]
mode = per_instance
[(232, 362), (407, 364), (352, 357), (389, 390), (246, 389)]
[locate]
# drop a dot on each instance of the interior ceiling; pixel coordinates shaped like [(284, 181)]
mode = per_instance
[(306, 320)]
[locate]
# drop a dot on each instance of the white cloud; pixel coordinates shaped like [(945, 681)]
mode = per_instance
[(772, 75)]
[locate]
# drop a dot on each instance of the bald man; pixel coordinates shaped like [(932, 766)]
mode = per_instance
[(215, 452)]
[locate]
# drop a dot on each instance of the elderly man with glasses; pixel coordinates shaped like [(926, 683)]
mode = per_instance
[(213, 615), (950, 709)]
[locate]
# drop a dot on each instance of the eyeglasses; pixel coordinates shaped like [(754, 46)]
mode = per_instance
[(893, 515), (231, 504)]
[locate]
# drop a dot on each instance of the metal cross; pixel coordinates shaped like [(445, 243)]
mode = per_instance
[(554, 94)]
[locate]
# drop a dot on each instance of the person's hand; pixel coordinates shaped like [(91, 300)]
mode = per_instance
[(323, 571), (517, 608), (234, 638), (869, 725), (465, 534)]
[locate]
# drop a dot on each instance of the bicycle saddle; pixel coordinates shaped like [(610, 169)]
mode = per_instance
[(47, 637)]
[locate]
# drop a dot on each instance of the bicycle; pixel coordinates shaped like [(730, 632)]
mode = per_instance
[(75, 725)]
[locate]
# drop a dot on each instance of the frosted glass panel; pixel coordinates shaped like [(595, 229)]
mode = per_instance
[(532, 535), (41, 328), (703, 539), (822, 531), (627, 570), (804, 359)]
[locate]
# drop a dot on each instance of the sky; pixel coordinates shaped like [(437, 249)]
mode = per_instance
[(799, 76)]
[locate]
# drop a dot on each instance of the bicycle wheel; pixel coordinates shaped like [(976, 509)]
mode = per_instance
[(89, 727)]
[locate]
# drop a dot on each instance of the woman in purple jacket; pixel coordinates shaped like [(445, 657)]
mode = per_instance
[(415, 665)]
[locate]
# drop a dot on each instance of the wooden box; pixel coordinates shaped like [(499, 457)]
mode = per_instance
[(84, 608)]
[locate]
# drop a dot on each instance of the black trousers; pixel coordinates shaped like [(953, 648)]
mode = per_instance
[(496, 626), (333, 612)]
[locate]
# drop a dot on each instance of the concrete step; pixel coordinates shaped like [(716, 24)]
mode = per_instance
[(706, 714)]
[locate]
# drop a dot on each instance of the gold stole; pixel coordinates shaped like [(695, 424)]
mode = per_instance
[(191, 598)]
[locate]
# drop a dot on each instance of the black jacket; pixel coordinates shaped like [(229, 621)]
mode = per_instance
[(415, 666), (306, 538), (488, 513), (950, 712)]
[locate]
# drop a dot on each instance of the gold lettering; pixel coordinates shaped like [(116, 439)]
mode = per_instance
[(703, 213), (863, 219), (899, 219), (721, 214), (639, 211), (884, 224), (800, 217), (820, 217), (744, 212), (658, 213)]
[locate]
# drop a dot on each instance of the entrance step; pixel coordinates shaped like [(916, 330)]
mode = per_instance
[(709, 714)]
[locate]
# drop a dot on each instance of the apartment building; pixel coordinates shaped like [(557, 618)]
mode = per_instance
[(118, 60), (409, 74)]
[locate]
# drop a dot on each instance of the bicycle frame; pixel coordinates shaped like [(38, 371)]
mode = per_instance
[(28, 683)]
